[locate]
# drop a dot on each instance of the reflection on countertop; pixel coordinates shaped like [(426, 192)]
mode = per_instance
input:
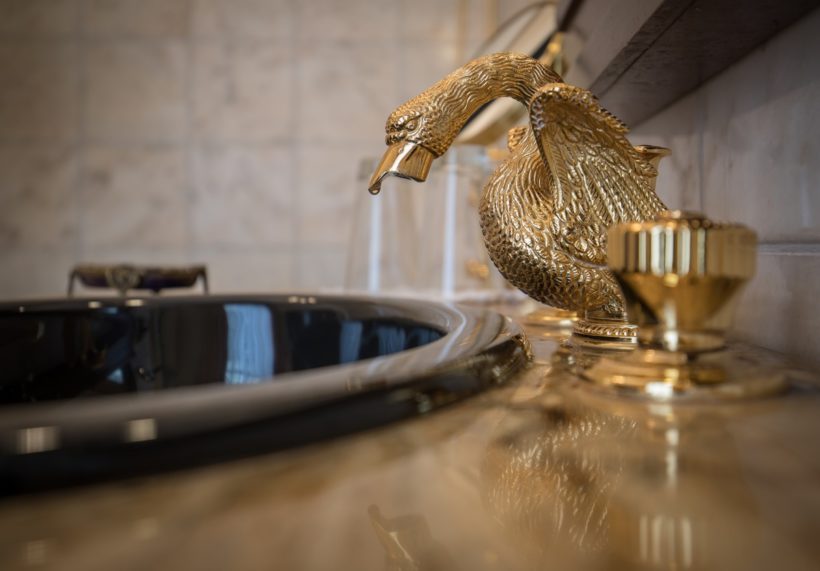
[(537, 474)]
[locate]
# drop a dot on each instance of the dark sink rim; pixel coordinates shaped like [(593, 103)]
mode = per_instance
[(480, 348)]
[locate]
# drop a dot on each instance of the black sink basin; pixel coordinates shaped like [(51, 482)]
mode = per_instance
[(92, 389), (69, 351)]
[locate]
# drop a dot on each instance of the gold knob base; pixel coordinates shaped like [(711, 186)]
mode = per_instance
[(550, 319), (674, 376)]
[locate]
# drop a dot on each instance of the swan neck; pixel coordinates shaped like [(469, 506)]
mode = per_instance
[(449, 104)]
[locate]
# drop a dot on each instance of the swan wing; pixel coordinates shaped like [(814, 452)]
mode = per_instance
[(598, 177)]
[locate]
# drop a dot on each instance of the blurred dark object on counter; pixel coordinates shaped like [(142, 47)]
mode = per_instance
[(126, 277)]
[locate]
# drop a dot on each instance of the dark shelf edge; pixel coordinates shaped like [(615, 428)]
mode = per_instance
[(683, 44)]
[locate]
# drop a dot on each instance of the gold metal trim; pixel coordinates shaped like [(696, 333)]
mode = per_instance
[(605, 329)]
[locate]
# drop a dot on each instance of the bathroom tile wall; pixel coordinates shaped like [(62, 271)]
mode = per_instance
[(226, 132), (745, 148)]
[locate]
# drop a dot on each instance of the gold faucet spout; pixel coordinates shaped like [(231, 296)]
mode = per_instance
[(653, 154), (404, 159)]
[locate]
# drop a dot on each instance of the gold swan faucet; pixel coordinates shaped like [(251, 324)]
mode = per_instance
[(572, 219), (570, 176)]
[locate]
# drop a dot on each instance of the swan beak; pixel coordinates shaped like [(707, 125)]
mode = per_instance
[(403, 159)]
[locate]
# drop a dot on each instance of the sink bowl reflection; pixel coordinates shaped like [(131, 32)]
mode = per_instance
[(99, 389)]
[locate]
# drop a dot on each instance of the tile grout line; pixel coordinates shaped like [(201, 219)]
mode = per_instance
[(82, 135), (188, 140), (788, 248), (135, 144)]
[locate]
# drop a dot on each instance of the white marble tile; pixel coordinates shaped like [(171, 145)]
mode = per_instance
[(433, 21), (39, 91), (330, 186), (242, 196), (34, 273), (245, 19), (320, 268), (480, 21), (761, 151), (135, 91), (137, 254), (250, 270), (779, 309), (509, 8), (346, 91), (242, 91), (352, 20), (38, 205), (134, 198), (120, 19), (423, 64), (29, 19), (677, 128)]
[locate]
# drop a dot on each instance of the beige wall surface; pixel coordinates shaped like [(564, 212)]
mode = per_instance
[(225, 132), (746, 148)]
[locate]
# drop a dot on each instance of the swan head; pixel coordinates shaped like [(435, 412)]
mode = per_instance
[(423, 128), (417, 132)]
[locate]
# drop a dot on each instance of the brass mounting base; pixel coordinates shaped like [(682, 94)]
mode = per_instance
[(672, 376), (600, 334)]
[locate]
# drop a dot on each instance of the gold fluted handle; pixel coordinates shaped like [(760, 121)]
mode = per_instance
[(681, 274)]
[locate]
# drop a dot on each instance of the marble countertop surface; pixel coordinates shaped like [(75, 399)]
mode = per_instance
[(537, 474)]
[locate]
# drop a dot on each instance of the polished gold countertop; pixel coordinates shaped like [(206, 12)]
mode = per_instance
[(538, 474)]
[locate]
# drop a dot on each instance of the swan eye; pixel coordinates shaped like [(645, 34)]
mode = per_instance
[(411, 125)]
